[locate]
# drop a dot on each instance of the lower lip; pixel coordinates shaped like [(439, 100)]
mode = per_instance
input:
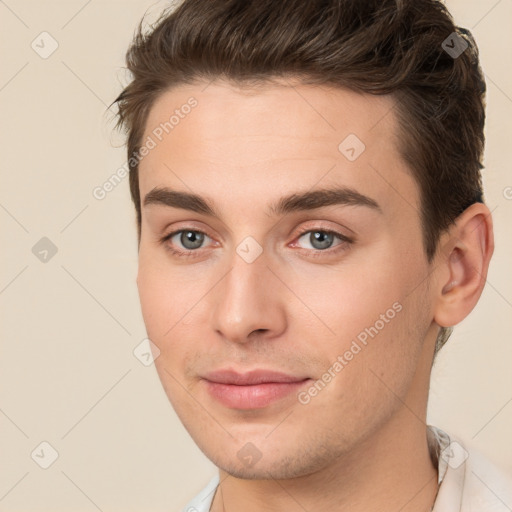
[(255, 396)]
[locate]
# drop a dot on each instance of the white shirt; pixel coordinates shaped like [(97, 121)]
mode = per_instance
[(468, 482)]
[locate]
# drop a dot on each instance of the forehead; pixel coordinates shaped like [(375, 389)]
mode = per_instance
[(267, 139), (225, 109)]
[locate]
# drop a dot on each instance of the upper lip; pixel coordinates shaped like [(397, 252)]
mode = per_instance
[(253, 377)]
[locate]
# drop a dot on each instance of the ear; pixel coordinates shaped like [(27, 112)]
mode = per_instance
[(462, 264)]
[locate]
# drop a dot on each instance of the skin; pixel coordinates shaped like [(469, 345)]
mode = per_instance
[(360, 443)]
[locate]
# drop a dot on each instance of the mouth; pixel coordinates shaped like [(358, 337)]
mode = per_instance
[(251, 390)]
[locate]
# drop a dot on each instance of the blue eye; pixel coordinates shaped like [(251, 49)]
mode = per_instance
[(189, 239), (321, 240)]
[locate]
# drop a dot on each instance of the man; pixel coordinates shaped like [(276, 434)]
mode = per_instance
[(306, 177)]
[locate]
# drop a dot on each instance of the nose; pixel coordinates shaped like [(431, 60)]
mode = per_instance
[(249, 302)]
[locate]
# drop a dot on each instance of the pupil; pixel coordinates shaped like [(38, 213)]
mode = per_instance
[(321, 239), (191, 239)]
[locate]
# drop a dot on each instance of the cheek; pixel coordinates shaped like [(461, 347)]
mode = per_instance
[(164, 304), (155, 299), (349, 298), (370, 314), (166, 295), (173, 304)]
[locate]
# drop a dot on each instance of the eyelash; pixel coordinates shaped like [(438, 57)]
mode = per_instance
[(315, 253)]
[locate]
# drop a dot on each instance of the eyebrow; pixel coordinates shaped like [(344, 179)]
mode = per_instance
[(299, 201)]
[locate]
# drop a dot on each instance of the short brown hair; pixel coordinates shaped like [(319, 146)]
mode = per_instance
[(396, 47)]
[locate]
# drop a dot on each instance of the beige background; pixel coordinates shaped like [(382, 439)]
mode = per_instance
[(68, 375)]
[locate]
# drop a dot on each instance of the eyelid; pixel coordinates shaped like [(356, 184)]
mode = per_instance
[(188, 226), (321, 226), (325, 224)]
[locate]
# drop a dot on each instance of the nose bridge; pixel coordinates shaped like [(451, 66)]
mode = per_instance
[(245, 300)]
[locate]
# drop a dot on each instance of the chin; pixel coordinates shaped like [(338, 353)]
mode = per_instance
[(246, 461)]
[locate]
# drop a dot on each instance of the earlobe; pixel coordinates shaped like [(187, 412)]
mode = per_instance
[(464, 265)]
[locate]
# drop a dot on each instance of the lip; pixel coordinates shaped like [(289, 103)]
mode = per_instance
[(255, 389)]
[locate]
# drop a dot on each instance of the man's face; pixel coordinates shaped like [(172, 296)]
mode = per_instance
[(289, 336)]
